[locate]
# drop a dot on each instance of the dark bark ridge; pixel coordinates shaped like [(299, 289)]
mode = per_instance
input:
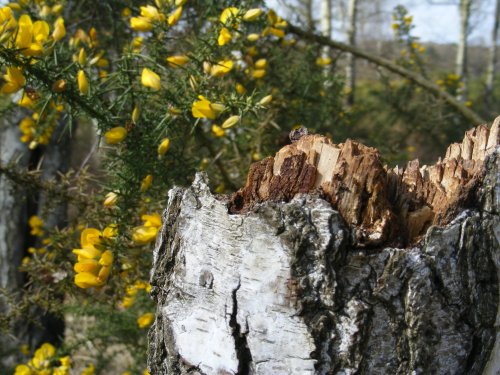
[(285, 287)]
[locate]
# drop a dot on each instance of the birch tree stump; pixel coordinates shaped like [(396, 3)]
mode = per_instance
[(327, 262)]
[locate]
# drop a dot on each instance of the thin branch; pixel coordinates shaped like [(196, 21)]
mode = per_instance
[(431, 87), (72, 96), (54, 188)]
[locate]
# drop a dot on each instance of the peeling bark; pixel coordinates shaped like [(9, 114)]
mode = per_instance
[(278, 280)]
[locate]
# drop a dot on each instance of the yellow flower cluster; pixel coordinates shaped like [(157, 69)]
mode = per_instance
[(32, 129), (147, 232), (36, 225), (276, 25), (115, 135), (230, 19), (29, 37), (145, 320), (151, 15), (131, 293), (45, 362), (94, 264)]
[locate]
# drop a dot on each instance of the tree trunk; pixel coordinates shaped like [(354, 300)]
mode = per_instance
[(326, 27), (18, 203), (327, 262), (13, 233), (308, 10), (490, 75), (461, 61), (350, 72)]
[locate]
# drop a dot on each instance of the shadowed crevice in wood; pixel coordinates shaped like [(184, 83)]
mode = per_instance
[(381, 205), (240, 341)]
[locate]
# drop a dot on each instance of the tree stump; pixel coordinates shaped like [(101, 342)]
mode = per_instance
[(327, 262)]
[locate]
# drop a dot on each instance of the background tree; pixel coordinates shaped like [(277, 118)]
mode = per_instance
[(492, 62), (350, 72)]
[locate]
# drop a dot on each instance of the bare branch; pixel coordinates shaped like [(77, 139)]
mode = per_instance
[(470, 115)]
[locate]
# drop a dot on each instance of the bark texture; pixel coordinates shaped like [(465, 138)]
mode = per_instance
[(13, 233), (282, 284)]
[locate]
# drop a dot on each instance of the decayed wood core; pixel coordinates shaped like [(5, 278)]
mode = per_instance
[(381, 205)]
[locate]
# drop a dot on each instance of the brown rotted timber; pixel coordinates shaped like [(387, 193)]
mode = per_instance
[(382, 204), (327, 262)]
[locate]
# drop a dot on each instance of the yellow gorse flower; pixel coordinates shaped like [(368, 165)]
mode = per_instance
[(151, 13), (36, 225), (203, 108), (136, 112), (258, 73), (177, 60), (110, 199), (253, 37), (221, 68), (140, 24), (252, 14), (59, 29), (147, 232), (175, 16), (83, 83), (146, 182), (230, 122), (31, 36), (89, 370), (14, 80), (115, 135), (240, 89), (224, 37), (137, 44), (150, 79), (164, 146), (82, 57), (228, 14), (323, 61), (7, 21), (218, 131), (266, 100), (261, 64), (94, 265), (145, 320)]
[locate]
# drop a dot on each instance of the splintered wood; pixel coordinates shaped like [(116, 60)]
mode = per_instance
[(379, 204)]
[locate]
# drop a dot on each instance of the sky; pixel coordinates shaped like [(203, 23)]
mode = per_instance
[(435, 21)]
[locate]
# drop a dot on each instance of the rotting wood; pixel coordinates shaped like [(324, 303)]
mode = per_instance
[(379, 204)]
